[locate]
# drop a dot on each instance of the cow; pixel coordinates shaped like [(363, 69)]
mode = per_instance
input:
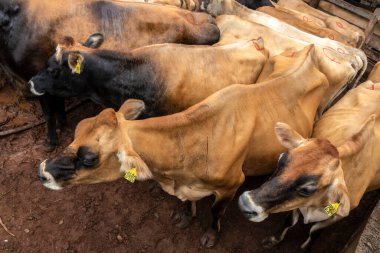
[(339, 66), (28, 39), (111, 77), (217, 8), (283, 15), (374, 76), (353, 33), (323, 177), (205, 150)]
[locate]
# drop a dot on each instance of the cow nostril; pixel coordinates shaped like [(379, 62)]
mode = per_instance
[(5, 21), (42, 178), (250, 213)]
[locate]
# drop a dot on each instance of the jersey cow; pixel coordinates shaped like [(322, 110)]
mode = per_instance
[(111, 77), (28, 39), (340, 67), (309, 27), (351, 32), (326, 176), (208, 149)]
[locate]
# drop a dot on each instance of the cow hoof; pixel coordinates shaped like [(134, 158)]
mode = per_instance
[(306, 247), (47, 146), (182, 220), (269, 242), (155, 189), (208, 239)]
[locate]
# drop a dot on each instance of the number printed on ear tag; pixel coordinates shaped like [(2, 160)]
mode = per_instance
[(332, 209), (77, 67), (131, 175)]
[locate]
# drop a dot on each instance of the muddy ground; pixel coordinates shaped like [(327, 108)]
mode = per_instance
[(119, 216)]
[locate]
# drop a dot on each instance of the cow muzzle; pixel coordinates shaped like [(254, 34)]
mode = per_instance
[(250, 209), (33, 89), (203, 5), (46, 178)]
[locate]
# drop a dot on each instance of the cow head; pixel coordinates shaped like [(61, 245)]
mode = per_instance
[(309, 177), (101, 151), (65, 72), (8, 9)]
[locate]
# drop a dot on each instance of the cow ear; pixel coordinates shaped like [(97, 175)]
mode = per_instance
[(76, 62), (95, 40), (132, 108), (287, 136), (357, 141)]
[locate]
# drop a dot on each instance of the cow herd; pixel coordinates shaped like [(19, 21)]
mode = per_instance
[(199, 102)]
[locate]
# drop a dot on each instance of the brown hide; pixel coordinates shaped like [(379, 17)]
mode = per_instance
[(305, 26), (374, 76)]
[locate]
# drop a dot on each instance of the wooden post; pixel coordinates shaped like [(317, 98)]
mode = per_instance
[(371, 25)]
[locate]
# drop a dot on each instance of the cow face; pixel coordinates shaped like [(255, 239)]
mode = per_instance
[(8, 9), (65, 74), (101, 151), (309, 176)]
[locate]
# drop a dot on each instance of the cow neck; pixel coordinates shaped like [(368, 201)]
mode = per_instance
[(158, 141), (288, 84)]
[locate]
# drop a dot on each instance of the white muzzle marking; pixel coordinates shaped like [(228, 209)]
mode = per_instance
[(251, 210), (50, 181), (33, 90)]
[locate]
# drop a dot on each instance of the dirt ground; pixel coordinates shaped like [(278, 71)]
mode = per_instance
[(119, 216)]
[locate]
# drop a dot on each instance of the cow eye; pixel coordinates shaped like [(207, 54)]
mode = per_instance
[(90, 161), (53, 72), (86, 157), (307, 191)]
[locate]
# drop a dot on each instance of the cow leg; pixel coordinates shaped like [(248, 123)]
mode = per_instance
[(218, 208), (59, 105), (315, 231), (47, 105), (184, 218), (275, 239)]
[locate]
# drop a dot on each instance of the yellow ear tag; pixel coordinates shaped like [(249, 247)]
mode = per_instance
[(77, 67), (332, 209), (131, 175)]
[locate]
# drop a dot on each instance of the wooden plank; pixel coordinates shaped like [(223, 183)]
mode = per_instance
[(368, 32), (359, 11)]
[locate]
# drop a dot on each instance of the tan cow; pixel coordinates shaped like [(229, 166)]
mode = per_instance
[(339, 66), (374, 76), (309, 27), (219, 7), (351, 32), (326, 176), (205, 150)]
